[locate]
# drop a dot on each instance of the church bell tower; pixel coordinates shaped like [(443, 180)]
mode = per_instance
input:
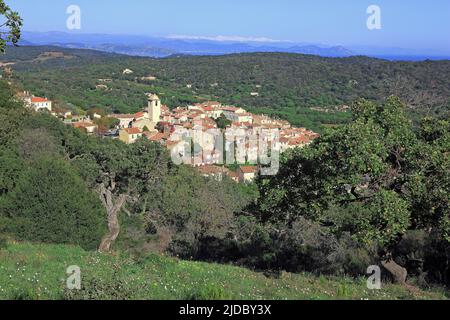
[(154, 108)]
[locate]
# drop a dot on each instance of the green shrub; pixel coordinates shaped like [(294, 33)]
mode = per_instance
[(210, 291), (100, 289), (426, 257), (51, 204), (350, 258)]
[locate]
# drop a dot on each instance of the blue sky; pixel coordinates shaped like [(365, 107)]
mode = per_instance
[(405, 23)]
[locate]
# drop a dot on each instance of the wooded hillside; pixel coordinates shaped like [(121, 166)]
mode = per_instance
[(307, 90)]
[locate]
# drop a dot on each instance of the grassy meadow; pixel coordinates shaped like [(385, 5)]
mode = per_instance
[(38, 272)]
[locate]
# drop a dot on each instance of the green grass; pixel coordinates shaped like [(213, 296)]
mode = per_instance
[(35, 271)]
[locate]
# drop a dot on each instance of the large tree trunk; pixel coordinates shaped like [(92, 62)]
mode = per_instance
[(112, 210), (398, 273)]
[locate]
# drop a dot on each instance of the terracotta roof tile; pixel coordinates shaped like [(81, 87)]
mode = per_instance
[(248, 169), (133, 130), (39, 99)]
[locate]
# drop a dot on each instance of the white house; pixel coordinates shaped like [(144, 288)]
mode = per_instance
[(39, 104), (237, 114), (125, 120)]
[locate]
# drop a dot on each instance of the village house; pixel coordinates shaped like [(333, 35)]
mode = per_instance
[(281, 124), (86, 126), (247, 174), (165, 109), (212, 109), (158, 137), (140, 115), (125, 120), (213, 172), (262, 120), (142, 121), (143, 124), (130, 135), (39, 104), (67, 115), (287, 143), (232, 110), (196, 115), (213, 104), (213, 112), (101, 87), (233, 175), (148, 78), (241, 125), (150, 133), (235, 114)]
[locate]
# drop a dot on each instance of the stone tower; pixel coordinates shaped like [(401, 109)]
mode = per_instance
[(154, 108)]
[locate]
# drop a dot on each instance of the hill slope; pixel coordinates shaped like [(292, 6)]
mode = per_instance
[(305, 89), (31, 271)]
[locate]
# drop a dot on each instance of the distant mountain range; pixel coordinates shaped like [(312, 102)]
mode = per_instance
[(164, 47)]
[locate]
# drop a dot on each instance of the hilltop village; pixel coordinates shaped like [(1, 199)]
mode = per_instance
[(157, 123)]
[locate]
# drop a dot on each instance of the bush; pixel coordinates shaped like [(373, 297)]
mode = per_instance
[(303, 246), (351, 258), (426, 257), (254, 244), (306, 246), (410, 252), (51, 204), (210, 292), (100, 289), (437, 260)]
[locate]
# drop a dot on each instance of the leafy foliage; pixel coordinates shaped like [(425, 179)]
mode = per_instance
[(13, 23), (53, 176), (374, 178), (51, 204)]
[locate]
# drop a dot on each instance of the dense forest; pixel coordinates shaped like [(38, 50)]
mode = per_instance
[(307, 90)]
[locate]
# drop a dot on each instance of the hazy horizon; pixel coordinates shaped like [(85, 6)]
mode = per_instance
[(413, 25)]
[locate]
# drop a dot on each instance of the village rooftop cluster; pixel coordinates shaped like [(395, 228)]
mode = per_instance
[(171, 128)]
